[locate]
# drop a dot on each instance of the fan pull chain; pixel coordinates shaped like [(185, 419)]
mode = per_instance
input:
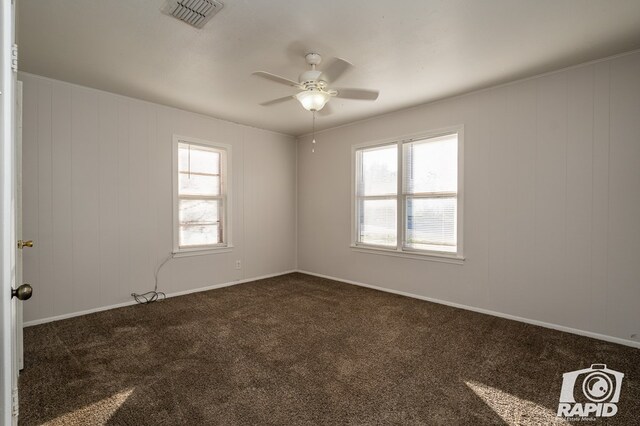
[(313, 132)]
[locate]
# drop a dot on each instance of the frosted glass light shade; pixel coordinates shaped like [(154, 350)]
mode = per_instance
[(313, 100)]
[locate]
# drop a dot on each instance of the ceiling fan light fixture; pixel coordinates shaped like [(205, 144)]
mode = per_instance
[(314, 85), (313, 100)]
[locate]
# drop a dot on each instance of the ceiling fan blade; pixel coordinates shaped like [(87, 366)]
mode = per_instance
[(363, 94), (335, 70), (326, 110), (277, 101), (276, 78)]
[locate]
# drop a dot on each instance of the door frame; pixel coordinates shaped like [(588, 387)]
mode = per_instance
[(19, 275), (8, 373)]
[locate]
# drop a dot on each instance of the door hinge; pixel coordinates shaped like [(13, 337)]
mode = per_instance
[(14, 57), (14, 402)]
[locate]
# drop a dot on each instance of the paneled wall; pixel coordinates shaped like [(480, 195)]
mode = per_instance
[(552, 201), (98, 199)]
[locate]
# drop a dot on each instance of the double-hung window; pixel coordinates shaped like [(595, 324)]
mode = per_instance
[(407, 196), (377, 195), (200, 195)]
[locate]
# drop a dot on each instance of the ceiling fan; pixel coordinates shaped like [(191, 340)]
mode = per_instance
[(314, 85)]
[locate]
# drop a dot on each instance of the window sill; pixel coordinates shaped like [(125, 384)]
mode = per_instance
[(202, 251), (430, 256)]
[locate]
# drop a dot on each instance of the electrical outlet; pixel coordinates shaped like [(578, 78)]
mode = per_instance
[(238, 264)]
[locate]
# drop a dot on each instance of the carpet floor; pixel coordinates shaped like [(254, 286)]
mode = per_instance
[(302, 350)]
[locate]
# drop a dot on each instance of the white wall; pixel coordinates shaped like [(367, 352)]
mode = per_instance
[(552, 200), (98, 199)]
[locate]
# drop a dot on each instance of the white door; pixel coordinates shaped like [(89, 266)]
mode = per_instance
[(8, 240)]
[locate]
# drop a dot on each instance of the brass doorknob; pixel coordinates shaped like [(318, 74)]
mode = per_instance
[(23, 292), (28, 243)]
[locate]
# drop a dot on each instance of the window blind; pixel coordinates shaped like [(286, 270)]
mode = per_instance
[(377, 195), (429, 192)]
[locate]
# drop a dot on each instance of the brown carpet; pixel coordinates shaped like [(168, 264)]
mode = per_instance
[(303, 350)]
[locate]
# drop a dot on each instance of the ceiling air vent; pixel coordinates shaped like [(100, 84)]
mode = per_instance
[(193, 12)]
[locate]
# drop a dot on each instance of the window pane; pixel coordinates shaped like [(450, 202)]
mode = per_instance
[(379, 171), (198, 184), (200, 212), (198, 159), (431, 223), (431, 165), (378, 222), (199, 235)]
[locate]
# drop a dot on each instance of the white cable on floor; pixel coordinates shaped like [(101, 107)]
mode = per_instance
[(154, 295)]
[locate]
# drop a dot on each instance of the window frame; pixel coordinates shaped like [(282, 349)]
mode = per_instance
[(225, 197), (357, 197), (400, 249)]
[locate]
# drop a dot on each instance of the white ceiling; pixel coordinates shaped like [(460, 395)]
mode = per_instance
[(413, 51)]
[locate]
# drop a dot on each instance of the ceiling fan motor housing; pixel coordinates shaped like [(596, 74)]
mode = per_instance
[(311, 78)]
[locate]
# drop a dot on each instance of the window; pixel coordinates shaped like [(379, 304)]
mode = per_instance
[(377, 195), (201, 195), (409, 204)]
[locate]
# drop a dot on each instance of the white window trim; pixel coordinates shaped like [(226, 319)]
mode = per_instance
[(399, 250), (227, 224)]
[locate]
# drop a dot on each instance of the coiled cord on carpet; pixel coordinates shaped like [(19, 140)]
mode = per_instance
[(153, 295)]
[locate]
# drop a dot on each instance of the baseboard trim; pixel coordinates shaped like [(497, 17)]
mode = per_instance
[(132, 302), (552, 326)]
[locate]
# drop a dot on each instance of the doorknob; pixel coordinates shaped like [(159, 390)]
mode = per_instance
[(23, 292), (22, 244)]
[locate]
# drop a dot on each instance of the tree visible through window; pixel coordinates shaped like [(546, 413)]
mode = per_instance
[(201, 196)]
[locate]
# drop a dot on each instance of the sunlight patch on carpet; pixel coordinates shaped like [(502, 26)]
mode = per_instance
[(512, 409), (97, 413)]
